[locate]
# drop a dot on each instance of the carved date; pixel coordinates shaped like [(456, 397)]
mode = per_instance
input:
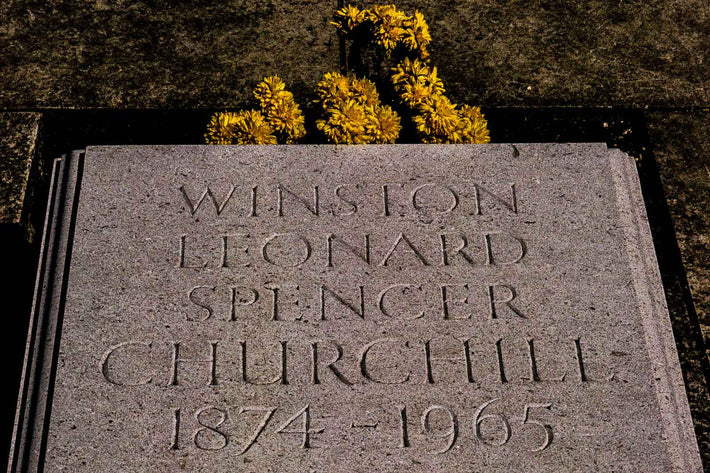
[(211, 436), (481, 416), (439, 425)]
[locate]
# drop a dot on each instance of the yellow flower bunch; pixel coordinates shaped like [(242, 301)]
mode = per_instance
[(352, 109), (348, 18), (415, 80), (437, 120), (475, 127), (389, 27), (280, 119), (353, 112), (281, 110), (416, 35)]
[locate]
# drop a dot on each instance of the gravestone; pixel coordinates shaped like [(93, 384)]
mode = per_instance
[(365, 308)]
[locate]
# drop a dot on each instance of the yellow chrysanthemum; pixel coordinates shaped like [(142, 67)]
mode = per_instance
[(251, 127), (475, 126), (285, 117), (348, 18), (388, 25), (270, 90), (387, 125), (416, 82), (220, 130), (364, 92), (353, 113), (416, 34), (333, 88), (438, 121), (346, 123), (280, 109), (413, 70)]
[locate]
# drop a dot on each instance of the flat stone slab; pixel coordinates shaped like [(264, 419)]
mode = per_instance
[(368, 308)]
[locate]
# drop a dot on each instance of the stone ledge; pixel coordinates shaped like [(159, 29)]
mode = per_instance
[(19, 167)]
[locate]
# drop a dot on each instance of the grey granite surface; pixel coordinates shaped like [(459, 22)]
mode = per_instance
[(222, 314)]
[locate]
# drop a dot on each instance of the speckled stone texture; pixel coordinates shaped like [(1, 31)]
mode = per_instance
[(426, 308), (19, 133), (114, 54), (105, 53), (578, 53)]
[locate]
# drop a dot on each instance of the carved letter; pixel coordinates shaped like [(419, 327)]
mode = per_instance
[(359, 311), (104, 365), (385, 201), (352, 204), (199, 303), (384, 293), (253, 201), (276, 290), (512, 205), (281, 377), (445, 254), (512, 294), (314, 209), (207, 193), (212, 360), (414, 250), (271, 239), (365, 256), (466, 359), (237, 300), (182, 264), (331, 366), (490, 260), (226, 260), (454, 198), (446, 301), (363, 361)]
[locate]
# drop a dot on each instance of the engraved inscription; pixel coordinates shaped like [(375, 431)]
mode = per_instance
[(440, 428), (237, 251), (393, 316), (257, 200), (465, 360)]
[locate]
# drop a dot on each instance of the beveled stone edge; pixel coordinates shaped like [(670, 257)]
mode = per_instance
[(44, 332), (648, 287)]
